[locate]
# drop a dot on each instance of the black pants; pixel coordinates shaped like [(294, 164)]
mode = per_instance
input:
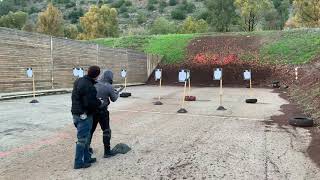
[(102, 117)]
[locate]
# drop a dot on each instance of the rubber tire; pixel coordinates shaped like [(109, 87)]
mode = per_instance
[(125, 94), (190, 98), (251, 101), (301, 122)]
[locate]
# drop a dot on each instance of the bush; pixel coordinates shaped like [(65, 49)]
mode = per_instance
[(178, 14), (191, 25), (162, 5), (132, 9), (123, 9), (33, 10), (71, 31), (6, 7), (118, 3), (70, 5), (162, 26), (125, 15), (75, 15), (202, 14), (152, 1), (29, 26), (151, 7), (128, 3), (141, 18), (172, 2), (14, 20), (190, 7)]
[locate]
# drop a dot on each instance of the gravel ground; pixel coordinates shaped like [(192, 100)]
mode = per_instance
[(37, 141)]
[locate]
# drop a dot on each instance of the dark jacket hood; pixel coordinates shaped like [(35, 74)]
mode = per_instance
[(106, 77)]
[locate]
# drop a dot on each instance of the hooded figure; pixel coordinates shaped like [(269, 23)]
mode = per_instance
[(106, 92)]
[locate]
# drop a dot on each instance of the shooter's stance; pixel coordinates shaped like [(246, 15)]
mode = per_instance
[(84, 104), (106, 92)]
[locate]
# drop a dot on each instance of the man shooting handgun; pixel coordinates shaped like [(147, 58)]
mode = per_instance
[(105, 92)]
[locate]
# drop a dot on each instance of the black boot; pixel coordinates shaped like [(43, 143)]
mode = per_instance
[(90, 150), (108, 152)]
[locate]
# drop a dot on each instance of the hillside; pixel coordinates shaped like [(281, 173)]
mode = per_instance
[(283, 47), (134, 15), (271, 55)]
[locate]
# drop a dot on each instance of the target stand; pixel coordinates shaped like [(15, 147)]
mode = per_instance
[(188, 97), (183, 78), (158, 76), (217, 76), (30, 74), (247, 76), (124, 75)]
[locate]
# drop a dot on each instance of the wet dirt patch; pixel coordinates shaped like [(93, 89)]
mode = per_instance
[(292, 110)]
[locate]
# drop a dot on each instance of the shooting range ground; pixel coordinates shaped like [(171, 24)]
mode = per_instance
[(37, 141)]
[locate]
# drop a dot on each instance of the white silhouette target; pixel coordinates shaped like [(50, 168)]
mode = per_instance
[(247, 75), (80, 72), (75, 72), (123, 73), (217, 75), (29, 72), (182, 75), (158, 74), (188, 74)]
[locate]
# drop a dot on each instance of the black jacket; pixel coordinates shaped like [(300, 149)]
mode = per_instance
[(84, 96)]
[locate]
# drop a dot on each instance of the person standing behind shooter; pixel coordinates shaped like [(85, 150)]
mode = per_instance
[(84, 104), (106, 92)]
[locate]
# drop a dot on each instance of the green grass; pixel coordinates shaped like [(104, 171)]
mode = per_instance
[(293, 47), (284, 47), (172, 47), (131, 42)]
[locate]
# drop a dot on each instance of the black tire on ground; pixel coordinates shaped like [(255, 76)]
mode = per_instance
[(301, 121), (190, 98), (125, 94), (251, 101)]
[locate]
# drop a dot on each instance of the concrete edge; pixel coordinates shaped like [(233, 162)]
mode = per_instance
[(27, 94)]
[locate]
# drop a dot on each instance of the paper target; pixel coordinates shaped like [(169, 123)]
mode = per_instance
[(247, 75), (182, 75), (29, 72), (188, 74), (217, 75), (158, 74), (123, 73), (75, 72), (80, 72)]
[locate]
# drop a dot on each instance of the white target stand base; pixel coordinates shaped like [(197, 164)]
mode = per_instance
[(182, 110)]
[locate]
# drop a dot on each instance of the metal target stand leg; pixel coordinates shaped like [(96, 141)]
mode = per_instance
[(159, 103), (221, 108), (182, 109), (250, 100), (34, 101)]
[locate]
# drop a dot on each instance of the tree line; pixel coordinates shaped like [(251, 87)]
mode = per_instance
[(101, 20)]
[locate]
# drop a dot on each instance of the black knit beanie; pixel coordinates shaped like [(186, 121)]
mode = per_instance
[(93, 71)]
